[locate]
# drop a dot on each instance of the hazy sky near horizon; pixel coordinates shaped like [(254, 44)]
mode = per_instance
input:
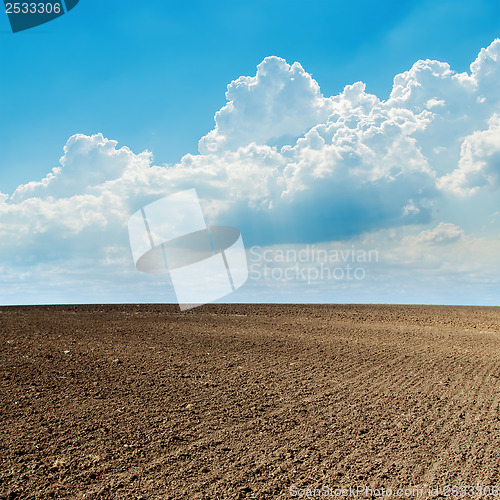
[(326, 125)]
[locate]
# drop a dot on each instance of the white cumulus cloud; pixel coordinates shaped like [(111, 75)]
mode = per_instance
[(284, 164), (479, 163), (278, 103)]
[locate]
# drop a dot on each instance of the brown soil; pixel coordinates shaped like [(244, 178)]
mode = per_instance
[(228, 402)]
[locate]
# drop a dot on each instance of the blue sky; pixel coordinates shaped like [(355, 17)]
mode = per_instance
[(152, 75)]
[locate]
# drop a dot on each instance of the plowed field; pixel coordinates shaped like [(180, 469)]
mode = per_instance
[(249, 401)]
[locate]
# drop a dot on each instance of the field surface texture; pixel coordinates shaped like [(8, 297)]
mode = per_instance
[(249, 401)]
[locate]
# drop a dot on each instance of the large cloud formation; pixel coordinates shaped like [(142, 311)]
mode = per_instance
[(284, 163)]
